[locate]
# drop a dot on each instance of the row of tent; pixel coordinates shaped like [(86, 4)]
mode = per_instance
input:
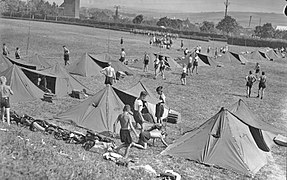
[(23, 74), (234, 139), (100, 111), (228, 57)]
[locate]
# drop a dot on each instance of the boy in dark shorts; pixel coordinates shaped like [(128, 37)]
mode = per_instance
[(138, 107), (126, 125), (5, 92), (66, 55), (146, 62), (262, 84), (195, 64), (250, 79), (159, 109)]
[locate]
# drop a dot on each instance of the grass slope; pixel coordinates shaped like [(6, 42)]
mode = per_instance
[(33, 155)]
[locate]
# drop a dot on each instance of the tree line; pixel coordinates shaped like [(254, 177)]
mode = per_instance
[(227, 26)]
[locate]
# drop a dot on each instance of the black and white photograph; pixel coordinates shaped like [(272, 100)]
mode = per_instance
[(143, 89)]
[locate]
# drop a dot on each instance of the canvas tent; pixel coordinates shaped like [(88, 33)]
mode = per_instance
[(4, 63), (22, 63), (129, 96), (60, 71), (271, 54), (98, 112), (38, 60), (231, 57), (59, 85), (85, 66), (24, 90), (224, 141), (267, 131), (103, 59), (258, 55)]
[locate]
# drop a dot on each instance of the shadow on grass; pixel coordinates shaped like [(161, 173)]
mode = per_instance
[(240, 95), (234, 94)]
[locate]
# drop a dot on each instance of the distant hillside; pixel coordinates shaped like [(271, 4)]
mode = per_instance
[(241, 17)]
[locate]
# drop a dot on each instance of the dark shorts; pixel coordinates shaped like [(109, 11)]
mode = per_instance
[(5, 54), (161, 68), (195, 63), (66, 57), (257, 70), (109, 80), (189, 65), (144, 137), (183, 75), (159, 109), (5, 102), (122, 59), (262, 85), (125, 136), (137, 117), (146, 62), (249, 84)]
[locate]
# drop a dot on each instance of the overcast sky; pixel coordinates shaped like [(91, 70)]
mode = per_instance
[(275, 6)]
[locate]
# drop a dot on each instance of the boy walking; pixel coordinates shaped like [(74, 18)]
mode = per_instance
[(262, 84), (126, 125), (250, 79)]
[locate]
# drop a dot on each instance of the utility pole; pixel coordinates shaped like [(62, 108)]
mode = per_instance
[(117, 11), (250, 21), (226, 3)]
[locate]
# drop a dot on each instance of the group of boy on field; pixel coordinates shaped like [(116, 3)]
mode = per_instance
[(126, 124), (251, 79)]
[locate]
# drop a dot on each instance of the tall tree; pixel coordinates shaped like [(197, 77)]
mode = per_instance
[(208, 27), (228, 25), (138, 19)]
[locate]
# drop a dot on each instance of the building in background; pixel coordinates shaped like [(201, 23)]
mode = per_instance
[(70, 8)]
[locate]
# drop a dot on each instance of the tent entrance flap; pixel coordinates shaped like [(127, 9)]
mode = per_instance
[(259, 139)]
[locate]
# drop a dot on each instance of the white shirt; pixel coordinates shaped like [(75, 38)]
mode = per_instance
[(184, 70), (162, 98), (138, 105), (123, 54)]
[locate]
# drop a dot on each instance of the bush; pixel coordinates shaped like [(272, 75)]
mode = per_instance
[(274, 43)]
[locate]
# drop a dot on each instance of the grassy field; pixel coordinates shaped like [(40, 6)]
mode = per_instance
[(34, 155)]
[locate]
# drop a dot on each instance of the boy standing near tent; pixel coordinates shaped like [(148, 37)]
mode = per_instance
[(250, 79), (66, 55), (195, 64), (159, 108), (138, 107), (5, 92), (146, 62), (183, 75), (126, 125), (110, 74), (189, 65), (262, 84), (156, 65), (161, 66), (17, 53), (5, 50), (123, 55)]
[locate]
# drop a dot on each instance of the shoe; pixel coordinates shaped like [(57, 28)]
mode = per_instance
[(261, 98)]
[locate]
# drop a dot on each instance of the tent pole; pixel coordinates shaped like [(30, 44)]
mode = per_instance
[(28, 40)]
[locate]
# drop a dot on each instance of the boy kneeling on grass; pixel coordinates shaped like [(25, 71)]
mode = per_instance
[(152, 133)]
